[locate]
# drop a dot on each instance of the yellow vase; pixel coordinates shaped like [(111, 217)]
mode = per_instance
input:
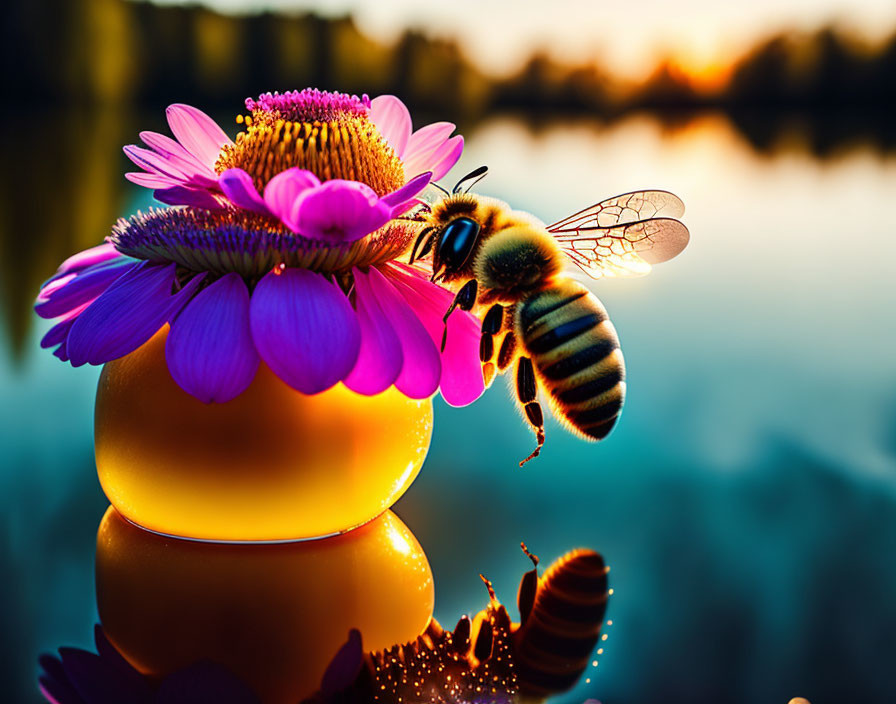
[(275, 614), (272, 464)]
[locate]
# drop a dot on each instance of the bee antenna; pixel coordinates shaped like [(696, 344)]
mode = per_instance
[(476, 175), (488, 585), (532, 557), (441, 188)]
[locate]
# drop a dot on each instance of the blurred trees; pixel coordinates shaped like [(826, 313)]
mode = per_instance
[(95, 51)]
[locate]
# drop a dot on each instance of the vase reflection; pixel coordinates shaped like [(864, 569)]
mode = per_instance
[(273, 614)]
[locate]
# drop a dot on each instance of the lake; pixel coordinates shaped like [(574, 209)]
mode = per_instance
[(746, 502)]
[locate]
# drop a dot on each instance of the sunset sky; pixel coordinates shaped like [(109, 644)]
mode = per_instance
[(628, 37)]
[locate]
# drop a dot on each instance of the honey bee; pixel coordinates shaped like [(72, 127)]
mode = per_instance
[(509, 264), (488, 657)]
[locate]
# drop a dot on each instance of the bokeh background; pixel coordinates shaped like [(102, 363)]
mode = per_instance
[(746, 502)]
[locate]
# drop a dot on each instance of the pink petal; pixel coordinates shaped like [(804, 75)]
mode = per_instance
[(338, 211), (380, 358), (439, 161), (304, 328), (426, 140), (181, 195), (461, 381), (127, 314), (403, 198), (166, 146), (153, 180), (280, 192), (209, 350), (198, 132), (392, 119), (421, 369), (240, 190), (155, 163)]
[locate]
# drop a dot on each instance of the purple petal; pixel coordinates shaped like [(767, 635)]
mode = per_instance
[(110, 654), (344, 667), (399, 200), (393, 121), (127, 314), (380, 358), (280, 192), (88, 257), (100, 683), (54, 684), (84, 287), (199, 133), (209, 349), (339, 211), (461, 382), (421, 368), (240, 190), (58, 691), (181, 195), (58, 334), (205, 683), (304, 328)]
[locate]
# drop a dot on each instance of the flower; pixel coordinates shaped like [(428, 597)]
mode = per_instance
[(298, 268), (81, 677), (333, 135)]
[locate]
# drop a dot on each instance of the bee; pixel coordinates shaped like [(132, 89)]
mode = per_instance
[(488, 657), (537, 316)]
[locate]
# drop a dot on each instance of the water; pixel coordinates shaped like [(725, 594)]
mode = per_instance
[(747, 500)]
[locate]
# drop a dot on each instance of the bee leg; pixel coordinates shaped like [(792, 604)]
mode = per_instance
[(425, 234), (525, 392), (465, 299), (492, 324), (507, 353)]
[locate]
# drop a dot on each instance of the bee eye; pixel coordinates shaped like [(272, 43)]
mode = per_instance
[(457, 242)]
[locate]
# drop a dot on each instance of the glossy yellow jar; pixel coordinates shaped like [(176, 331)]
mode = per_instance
[(275, 614), (272, 464)]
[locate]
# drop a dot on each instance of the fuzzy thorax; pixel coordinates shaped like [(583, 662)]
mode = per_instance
[(516, 261)]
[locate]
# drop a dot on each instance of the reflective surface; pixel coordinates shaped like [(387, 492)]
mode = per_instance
[(274, 614), (746, 502)]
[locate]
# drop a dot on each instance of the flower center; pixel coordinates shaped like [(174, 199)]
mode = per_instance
[(329, 134), (248, 243)]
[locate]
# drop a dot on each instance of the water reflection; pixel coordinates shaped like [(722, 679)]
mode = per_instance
[(746, 500)]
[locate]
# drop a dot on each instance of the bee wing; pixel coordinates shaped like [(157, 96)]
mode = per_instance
[(624, 250), (625, 208)]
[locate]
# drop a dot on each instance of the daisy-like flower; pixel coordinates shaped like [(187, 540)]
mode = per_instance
[(295, 129), (288, 252), (80, 677)]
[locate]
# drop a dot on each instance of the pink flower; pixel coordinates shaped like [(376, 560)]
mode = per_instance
[(185, 171), (272, 262), (299, 322)]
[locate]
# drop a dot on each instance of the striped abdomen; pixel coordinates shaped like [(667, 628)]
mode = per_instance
[(574, 348), (555, 644)]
